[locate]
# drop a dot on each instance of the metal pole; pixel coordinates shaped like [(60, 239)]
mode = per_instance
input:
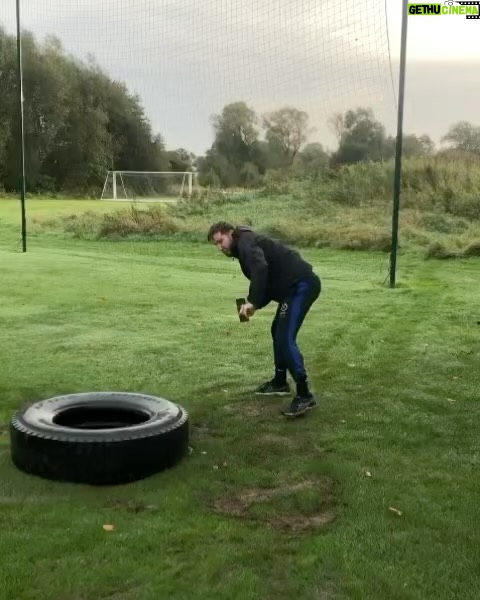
[(22, 133), (398, 147)]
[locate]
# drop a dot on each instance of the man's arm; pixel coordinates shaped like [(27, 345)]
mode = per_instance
[(252, 255)]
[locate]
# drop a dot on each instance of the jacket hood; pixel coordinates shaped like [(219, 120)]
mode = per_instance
[(235, 235)]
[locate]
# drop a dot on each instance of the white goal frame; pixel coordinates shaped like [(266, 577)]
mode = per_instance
[(187, 181)]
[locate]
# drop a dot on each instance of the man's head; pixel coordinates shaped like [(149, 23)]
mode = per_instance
[(221, 234)]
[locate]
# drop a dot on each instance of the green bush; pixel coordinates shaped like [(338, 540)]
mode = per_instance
[(120, 223), (473, 249), (439, 250)]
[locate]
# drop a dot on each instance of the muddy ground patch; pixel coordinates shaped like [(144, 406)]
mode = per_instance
[(293, 506)]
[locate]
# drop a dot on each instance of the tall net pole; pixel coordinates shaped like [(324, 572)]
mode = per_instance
[(22, 132), (398, 148)]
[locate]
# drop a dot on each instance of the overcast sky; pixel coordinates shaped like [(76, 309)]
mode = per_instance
[(188, 58)]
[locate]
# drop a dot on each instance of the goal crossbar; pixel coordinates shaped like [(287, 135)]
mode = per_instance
[(153, 172)]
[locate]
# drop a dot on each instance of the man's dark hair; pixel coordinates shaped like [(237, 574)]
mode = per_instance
[(220, 227)]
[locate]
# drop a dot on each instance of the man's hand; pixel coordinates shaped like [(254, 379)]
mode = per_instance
[(247, 310)]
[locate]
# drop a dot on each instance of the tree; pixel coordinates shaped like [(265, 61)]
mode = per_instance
[(229, 160), (83, 150), (287, 130), (312, 159), (412, 145), (235, 132), (181, 160), (214, 169), (78, 122), (464, 136), (44, 112), (336, 122), (8, 85), (363, 138)]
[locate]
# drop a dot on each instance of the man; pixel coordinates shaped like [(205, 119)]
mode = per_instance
[(277, 273)]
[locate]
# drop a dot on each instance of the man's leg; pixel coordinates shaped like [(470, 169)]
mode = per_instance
[(277, 386), (291, 315)]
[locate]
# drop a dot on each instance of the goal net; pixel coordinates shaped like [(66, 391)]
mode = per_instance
[(148, 186)]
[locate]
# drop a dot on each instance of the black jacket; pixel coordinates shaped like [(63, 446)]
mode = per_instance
[(271, 266)]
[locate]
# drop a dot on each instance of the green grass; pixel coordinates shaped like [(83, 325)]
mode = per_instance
[(397, 373), (43, 207), (349, 209)]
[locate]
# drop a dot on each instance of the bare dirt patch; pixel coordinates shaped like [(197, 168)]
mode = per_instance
[(200, 431), (256, 409), (242, 505), (278, 440)]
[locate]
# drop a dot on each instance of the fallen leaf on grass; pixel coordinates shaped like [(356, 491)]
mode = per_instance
[(109, 527), (395, 510)]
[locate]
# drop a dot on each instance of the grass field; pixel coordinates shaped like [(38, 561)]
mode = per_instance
[(41, 209), (264, 507)]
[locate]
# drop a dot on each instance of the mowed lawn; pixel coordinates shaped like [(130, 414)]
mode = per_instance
[(42, 209), (375, 495)]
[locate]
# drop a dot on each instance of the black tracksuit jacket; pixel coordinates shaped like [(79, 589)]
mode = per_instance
[(271, 267)]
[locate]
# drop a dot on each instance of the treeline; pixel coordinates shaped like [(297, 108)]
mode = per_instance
[(246, 146), (78, 122)]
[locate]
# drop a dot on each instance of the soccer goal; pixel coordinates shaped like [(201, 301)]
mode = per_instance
[(148, 186)]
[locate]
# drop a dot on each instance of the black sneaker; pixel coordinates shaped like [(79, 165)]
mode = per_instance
[(272, 388), (299, 406)]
